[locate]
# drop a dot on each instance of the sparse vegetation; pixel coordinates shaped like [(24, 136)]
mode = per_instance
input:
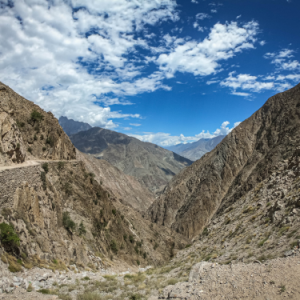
[(36, 116), (68, 223), (45, 166)]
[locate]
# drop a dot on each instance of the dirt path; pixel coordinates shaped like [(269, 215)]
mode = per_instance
[(30, 163)]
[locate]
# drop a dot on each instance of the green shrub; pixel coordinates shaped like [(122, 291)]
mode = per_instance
[(131, 239), (68, 188), (138, 262), (18, 146), (43, 178), (82, 229), (113, 246), (29, 149), (114, 212), (20, 124), (8, 236), (125, 237), (205, 232), (45, 166), (42, 137), (60, 165), (50, 141), (44, 148), (36, 116), (68, 223), (35, 137)]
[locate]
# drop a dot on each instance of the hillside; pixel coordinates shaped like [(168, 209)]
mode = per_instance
[(29, 132), (152, 165), (243, 159), (60, 210), (196, 150), (71, 127)]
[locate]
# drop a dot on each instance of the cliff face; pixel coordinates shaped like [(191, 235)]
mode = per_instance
[(150, 164), (25, 136), (244, 158)]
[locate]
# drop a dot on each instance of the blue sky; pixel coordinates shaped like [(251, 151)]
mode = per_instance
[(163, 71)]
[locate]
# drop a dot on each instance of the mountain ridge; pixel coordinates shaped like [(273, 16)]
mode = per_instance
[(237, 164)]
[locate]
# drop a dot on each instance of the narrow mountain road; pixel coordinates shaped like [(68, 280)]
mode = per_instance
[(30, 163)]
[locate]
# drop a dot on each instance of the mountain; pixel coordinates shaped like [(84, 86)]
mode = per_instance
[(59, 207), (243, 159), (71, 127), (196, 150), (152, 165)]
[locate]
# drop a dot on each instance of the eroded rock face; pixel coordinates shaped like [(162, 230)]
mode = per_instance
[(25, 138), (234, 167), (11, 141)]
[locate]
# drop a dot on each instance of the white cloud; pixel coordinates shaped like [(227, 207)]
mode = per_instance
[(251, 83), (201, 58), (246, 82), (68, 61), (240, 94), (135, 124), (195, 1), (127, 128), (211, 82), (214, 11), (202, 16), (165, 139), (282, 60)]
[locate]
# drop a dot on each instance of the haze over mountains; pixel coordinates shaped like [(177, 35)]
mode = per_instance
[(152, 165), (71, 127), (196, 150)]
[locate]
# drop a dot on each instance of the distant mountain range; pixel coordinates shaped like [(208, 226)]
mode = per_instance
[(152, 165), (196, 150), (71, 127)]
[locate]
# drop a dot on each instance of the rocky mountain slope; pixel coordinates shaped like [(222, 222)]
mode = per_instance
[(27, 131), (71, 127), (152, 165), (243, 159), (58, 210), (124, 187), (196, 150)]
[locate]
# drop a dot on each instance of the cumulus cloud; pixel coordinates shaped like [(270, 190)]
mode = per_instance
[(283, 60), (68, 56), (251, 83), (202, 58), (165, 139)]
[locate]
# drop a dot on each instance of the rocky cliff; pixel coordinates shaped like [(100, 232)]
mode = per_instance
[(244, 158), (27, 132), (150, 164)]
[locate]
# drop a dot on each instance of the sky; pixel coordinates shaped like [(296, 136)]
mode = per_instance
[(163, 71)]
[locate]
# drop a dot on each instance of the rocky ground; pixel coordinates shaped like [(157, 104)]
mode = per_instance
[(273, 279)]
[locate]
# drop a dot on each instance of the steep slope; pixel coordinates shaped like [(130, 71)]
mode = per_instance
[(26, 131), (196, 150), (71, 127), (244, 158), (152, 165), (58, 205), (125, 187)]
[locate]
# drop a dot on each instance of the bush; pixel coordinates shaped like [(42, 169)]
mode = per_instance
[(131, 239), (113, 246), (82, 229), (8, 236), (68, 189), (29, 150), (36, 116), (114, 212), (50, 141), (60, 165), (35, 137), (43, 178), (44, 148), (68, 223), (42, 137), (45, 166)]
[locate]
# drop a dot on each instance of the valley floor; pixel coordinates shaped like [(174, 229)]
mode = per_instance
[(274, 279)]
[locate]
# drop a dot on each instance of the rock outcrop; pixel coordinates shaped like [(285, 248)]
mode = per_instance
[(28, 132), (244, 158), (150, 164)]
